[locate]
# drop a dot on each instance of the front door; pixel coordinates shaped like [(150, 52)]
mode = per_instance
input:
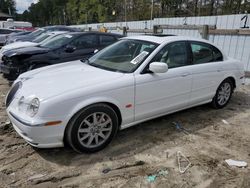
[(158, 94), (85, 46)]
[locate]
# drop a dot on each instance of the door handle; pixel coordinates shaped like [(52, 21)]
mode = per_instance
[(185, 74)]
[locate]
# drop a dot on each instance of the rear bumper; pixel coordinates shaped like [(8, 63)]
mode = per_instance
[(37, 135)]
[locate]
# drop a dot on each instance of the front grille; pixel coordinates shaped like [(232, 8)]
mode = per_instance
[(12, 93)]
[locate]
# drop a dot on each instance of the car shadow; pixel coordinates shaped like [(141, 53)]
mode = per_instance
[(143, 136)]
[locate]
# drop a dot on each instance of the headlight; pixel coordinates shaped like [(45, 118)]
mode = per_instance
[(33, 107)]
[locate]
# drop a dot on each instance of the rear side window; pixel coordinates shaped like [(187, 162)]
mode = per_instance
[(106, 40), (205, 53), (85, 41)]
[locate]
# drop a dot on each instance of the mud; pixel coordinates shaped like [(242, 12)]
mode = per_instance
[(155, 143)]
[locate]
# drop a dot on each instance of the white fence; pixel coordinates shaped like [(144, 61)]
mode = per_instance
[(236, 46)]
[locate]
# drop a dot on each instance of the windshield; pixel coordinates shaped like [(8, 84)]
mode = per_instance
[(37, 32), (41, 38), (123, 56), (56, 41)]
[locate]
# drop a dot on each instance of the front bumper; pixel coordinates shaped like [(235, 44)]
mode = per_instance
[(38, 135)]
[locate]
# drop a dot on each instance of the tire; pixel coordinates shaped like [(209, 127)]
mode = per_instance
[(92, 129), (223, 94)]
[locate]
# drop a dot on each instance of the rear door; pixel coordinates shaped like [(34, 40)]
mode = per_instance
[(207, 71)]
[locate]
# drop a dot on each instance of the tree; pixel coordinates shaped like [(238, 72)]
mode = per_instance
[(54, 12), (8, 6)]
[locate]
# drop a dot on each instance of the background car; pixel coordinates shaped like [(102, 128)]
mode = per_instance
[(62, 48), (4, 34), (11, 37), (40, 31), (134, 80), (41, 38)]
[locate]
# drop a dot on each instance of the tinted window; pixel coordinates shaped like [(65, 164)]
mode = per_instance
[(85, 41), (204, 53), (41, 38), (5, 31), (217, 54), (105, 40), (57, 41), (174, 54), (37, 33)]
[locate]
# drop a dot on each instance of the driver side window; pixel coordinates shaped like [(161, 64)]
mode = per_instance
[(174, 54)]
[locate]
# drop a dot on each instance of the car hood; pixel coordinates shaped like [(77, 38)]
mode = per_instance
[(18, 45), (63, 78), (26, 51)]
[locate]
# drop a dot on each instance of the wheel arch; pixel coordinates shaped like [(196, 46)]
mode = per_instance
[(86, 104), (233, 80)]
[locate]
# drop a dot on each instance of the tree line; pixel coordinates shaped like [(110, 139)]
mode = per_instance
[(8, 7), (55, 12)]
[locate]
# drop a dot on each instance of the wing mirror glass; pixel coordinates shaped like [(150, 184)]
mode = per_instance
[(158, 67), (70, 48)]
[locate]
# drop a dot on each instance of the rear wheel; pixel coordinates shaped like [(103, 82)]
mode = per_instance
[(223, 94), (92, 128)]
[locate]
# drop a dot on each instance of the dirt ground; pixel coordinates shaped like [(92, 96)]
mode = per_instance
[(142, 150)]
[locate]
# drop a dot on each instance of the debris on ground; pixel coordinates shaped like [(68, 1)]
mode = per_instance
[(160, 173), (225, 122), (183, 162), (151, 178), (5, 127), (106, 170), (232, 162), (137, 163), (180, 128), (35, 177)]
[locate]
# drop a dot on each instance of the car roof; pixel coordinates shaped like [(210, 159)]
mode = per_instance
[(73, 29), (165, 39), (57, 32), (168, 39), (93, 32)]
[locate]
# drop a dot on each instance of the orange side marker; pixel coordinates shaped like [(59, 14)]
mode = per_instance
[(51, 123)]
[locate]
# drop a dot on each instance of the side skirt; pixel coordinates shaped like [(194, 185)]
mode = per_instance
[(163, 114)]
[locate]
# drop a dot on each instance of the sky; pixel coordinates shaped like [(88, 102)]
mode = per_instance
[(22, 5)]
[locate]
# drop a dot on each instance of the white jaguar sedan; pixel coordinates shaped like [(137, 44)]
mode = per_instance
[(85, 103)]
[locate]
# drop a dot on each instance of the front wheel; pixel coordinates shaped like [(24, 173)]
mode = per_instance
[(92, 128), (223, 94)]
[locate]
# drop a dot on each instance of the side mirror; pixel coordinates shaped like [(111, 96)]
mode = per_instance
[(70, 48), (158, 67)]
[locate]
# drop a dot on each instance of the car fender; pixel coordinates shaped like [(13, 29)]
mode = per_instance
[(90, 101), (235, 77)]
